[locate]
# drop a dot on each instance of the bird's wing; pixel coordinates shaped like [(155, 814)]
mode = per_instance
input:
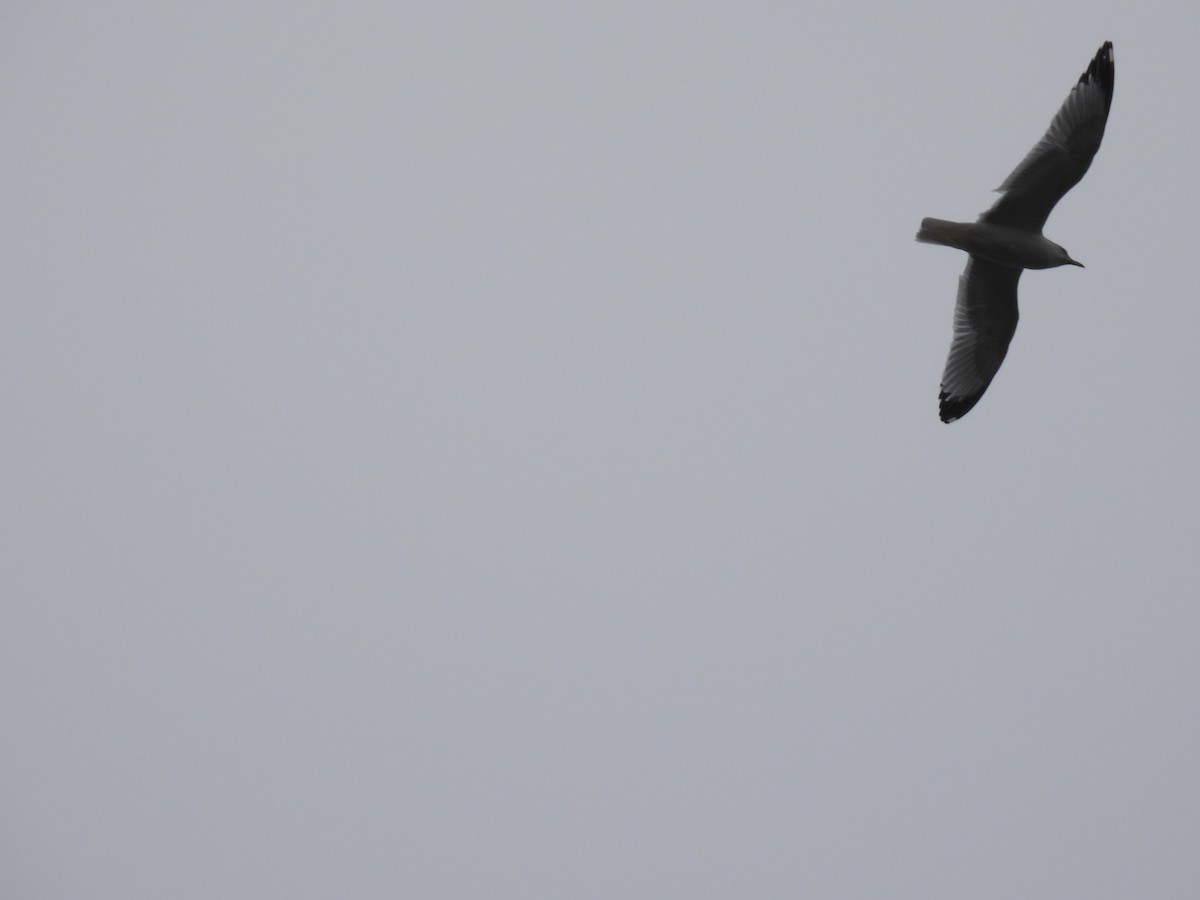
[(1063, 155), (985, 318)]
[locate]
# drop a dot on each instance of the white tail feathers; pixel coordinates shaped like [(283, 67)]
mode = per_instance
[(939, 231)]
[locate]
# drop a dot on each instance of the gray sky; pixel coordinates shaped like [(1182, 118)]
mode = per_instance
[(491, 450)]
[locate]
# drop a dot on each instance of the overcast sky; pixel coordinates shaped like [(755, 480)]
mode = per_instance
[(491, 450)]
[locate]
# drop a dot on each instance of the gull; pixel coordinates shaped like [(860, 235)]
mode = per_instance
[(1008, 237)]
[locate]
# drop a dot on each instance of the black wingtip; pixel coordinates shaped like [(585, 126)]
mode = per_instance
[(951, 409), (1102, 71)]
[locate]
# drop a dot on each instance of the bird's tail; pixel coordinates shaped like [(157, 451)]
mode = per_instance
[(939, 231)]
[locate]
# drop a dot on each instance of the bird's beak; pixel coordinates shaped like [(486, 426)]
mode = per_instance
[(1074, 263)]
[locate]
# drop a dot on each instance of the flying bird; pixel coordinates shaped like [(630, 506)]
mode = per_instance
[(1008, 237)]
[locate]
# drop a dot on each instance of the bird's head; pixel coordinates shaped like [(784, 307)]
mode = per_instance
[(1066, 258)]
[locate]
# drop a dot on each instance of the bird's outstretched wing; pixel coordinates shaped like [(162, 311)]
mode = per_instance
[(1063, 155), (985, 318)]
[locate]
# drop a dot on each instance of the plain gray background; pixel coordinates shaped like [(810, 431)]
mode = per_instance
[(491, 450)]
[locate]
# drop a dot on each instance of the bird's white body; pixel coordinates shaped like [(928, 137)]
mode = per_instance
[(1000, 244)]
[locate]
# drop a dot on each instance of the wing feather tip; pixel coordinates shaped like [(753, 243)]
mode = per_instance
[(1103, 70), (951, 409)]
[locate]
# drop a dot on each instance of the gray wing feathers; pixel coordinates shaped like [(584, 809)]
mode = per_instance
[(1063, 154), (985, 319)]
